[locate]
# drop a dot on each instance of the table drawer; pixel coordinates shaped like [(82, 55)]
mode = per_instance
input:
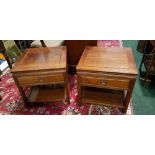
[(38, 80), (105, 82)]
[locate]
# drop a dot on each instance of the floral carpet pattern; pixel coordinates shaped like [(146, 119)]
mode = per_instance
[(12, 103)]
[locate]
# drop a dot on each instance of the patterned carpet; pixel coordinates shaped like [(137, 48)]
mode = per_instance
[(12, 103)]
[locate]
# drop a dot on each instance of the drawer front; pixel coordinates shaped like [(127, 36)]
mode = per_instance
[(38, 80), (105, 82)]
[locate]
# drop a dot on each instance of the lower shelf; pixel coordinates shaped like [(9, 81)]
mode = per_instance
[(46, 94), (114, 98)]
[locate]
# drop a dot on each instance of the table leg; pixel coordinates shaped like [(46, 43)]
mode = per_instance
[(67, 88), (79, 92), (128, 95), (22, 93)]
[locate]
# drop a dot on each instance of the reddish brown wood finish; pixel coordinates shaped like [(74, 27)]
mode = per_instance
[(105, 81), (40, 79), (36, 59), (107, 69), (42, 66), (114, 60)]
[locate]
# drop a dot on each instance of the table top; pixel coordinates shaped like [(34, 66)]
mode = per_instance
[(113, 60), (35, 59)]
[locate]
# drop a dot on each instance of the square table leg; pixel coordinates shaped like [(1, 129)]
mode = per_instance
[(67, 88), (22, 93), (128, 95), (79, 88)]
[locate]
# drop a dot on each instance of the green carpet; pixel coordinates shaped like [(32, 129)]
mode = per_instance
[(143, 97)]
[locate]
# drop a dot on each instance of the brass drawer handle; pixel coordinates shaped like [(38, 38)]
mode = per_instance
[(40, 80), (103, 82)]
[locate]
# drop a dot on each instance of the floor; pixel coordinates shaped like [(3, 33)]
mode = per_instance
[(144, 94)]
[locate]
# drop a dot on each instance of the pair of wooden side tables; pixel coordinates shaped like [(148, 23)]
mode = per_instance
[(105, 76)]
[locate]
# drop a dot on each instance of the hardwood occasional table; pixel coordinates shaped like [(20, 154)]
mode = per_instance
[(45, 70), (106, 76)]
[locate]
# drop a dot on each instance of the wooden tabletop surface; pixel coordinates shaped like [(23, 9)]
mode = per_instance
[(34, 59), (114, 60)]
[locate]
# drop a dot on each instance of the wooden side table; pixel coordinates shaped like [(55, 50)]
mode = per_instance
[(45, 70), (106, 76)]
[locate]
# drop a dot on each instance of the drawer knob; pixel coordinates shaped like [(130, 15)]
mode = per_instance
[(103, 82), (40, 80)]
